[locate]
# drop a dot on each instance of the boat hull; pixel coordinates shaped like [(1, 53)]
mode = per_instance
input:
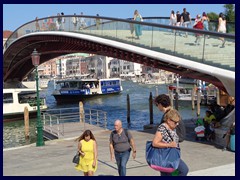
[(16, 100), (184, 102), (71, 98)]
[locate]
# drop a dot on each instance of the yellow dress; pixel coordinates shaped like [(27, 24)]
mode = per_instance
[(86, 162)]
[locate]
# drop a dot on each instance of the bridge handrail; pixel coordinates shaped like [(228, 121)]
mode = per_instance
[(231, 36), (168, 44)]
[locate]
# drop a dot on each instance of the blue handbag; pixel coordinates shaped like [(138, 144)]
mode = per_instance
[(162, 159)]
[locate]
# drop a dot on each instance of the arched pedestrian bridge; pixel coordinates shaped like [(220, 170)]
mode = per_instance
[(160, 46)]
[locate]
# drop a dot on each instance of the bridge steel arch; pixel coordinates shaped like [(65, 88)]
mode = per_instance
[(17, 57)]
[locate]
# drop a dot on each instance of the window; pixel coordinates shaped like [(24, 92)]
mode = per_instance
[(7, 98)]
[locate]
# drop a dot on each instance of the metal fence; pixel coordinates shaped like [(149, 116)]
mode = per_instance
[(54, 119)]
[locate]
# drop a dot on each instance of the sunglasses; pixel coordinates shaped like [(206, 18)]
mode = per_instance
[(175, 122)]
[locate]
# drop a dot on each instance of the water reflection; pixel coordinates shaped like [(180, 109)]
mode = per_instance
[(14, 133)]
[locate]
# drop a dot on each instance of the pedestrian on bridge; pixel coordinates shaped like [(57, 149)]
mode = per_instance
[(63, 21), (98, 22), (173, 19), (82, 22), (59, 22), (198, 25), (87, 148), (75, 21), (37, 24), (222, 27), (138, 28), (186, 19)]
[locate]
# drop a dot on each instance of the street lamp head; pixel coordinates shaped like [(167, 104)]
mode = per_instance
[(35, 58)]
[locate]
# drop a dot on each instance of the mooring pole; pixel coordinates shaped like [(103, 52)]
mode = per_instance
[(151, 108), (26, 122), (176, 101), (128, 109), (81, 112)]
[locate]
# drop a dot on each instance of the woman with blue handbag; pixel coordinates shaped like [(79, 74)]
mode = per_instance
[(166, 137)]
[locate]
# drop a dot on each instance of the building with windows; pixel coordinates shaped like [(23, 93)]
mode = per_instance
[(48, 69)]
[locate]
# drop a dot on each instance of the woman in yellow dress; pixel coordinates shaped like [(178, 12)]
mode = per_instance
[(87, 147)]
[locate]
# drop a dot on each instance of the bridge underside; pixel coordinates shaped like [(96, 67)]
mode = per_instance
[(17, 58)]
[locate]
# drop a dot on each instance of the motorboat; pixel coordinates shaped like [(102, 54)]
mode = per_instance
[(185, 95), (16, 99), (75, 90)]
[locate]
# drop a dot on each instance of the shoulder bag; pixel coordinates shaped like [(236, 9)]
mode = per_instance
[(162, 159), (76, 158)]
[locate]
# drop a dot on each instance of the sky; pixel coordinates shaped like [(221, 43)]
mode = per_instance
[(15, 15)]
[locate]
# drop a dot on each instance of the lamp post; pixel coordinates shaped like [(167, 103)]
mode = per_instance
[(35, 61)]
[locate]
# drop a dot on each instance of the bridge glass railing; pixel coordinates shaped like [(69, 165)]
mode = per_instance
[(156, 35)]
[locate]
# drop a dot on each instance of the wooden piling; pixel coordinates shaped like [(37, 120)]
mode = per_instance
[(151, 108), (193, 98), (208, 93), (171, 97), (26, 122), (218, 96), (176, 101), (128, 109), (198, 102), (81, 112)]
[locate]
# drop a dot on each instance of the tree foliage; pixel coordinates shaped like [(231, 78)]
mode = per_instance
[(229, 12), (212, 16)]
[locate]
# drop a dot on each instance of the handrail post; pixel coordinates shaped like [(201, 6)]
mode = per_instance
[(116, 28), (204, 39), (50, 123), (175, 40), (105, 120), (152, 39), (101, 28), (58, 128), (44, 120), (63, 129)]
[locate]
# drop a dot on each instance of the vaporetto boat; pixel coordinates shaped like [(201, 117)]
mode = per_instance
[(75, 90), (16, 99)]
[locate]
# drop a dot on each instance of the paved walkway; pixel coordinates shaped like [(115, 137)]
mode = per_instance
[(55, 158)]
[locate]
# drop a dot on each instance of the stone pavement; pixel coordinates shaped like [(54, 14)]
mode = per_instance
[(55, 158)]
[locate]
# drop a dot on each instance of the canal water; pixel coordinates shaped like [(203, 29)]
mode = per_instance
[(114, 105)]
